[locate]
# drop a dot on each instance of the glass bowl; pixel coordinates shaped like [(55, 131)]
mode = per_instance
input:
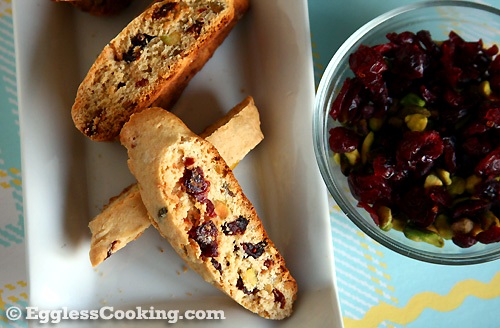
[(472, 21)]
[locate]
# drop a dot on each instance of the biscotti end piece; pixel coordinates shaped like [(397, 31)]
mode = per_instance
[(196, 203), (117, 225), (151, 61), (239, 131)]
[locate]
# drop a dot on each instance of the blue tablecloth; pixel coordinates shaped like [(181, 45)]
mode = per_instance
[(377, 287)]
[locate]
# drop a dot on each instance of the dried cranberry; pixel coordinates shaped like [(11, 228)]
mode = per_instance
[(371, 210), (477, 146), (345, 108), (489, 189), (418, 149), (449, 155), (111, 249), (138, 42), (206, 236), (409, 61), (141, 83), (492, 235), (194, 181), (279, 298), (474, 129), (197, 186), (236, 227), (254, 250), (216, 265), (163, 10), (268, 263), (471, 207), (195, 28), (490, 164), (241, 286), (369, 188), (464, 240), (343, 140), (419, 207), (440, 196), (189, 161), (492, 117), (368, 65)]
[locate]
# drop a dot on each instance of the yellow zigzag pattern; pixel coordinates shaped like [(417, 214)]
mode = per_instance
[(15, 295), (418, 303), (8, 8)]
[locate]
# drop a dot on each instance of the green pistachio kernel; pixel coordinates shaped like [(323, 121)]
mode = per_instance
[(457, 186), (375, 124), (416, 122), (485, 88), (443, 227), (423, 235), (412, 99), (432, 181), (365, 147), (385, 218), (353, 156), (444, 176), (471, 183), (171, 39)]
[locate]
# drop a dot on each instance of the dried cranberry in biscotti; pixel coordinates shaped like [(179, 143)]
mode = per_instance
[(254, 250), (236, 227), (164, 10), (206, 237)]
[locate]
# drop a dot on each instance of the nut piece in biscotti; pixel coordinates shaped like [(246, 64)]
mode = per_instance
[(99, 7), (196, 203), (125, 218), (151, 61)]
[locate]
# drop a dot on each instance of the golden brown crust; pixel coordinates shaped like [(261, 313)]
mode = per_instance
[(196, 203), (151, 61), (123, 219), (242, 121)]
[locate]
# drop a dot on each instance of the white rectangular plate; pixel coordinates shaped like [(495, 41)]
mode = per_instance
[(68, 178)]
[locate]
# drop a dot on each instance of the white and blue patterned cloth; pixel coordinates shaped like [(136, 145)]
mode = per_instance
[(377, 287), (13, 285)]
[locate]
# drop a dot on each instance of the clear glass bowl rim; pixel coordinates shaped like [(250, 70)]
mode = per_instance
[(319, 128)]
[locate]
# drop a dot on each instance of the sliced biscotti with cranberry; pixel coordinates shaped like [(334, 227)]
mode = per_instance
[(196, 203), (125, 218), (150, 62)]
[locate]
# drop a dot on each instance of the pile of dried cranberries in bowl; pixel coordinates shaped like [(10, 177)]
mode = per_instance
[(418, 136)]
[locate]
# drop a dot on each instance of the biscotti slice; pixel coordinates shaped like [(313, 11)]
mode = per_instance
[(125, 218), (151, 61), (196, 203)]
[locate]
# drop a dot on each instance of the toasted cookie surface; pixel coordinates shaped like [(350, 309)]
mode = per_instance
[(151, 61), (196, 203)]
